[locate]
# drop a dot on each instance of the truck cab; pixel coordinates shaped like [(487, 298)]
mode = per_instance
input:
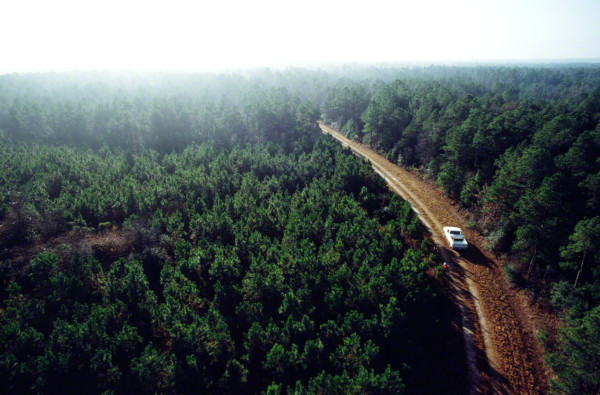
[(455, 238)]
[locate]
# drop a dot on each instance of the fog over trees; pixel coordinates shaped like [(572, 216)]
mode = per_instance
[(186, 232)]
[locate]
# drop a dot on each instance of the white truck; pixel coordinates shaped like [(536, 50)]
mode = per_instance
[(455, 238)]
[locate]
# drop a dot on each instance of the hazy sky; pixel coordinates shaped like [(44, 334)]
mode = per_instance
[(201, 35)]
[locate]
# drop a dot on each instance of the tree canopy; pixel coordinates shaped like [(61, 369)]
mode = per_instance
[(184, 241)]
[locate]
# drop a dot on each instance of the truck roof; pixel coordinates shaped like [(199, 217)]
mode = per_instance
[(450, 228)]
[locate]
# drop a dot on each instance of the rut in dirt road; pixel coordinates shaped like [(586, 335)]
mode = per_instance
[(493, 319)]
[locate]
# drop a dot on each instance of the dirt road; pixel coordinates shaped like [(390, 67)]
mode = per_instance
[(502, 351)]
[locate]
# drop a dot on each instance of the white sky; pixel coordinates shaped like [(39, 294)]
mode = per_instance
[(203, 35)]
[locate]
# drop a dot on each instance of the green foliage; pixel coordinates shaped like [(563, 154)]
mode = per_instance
[(520, 148), (230, 232), (351, 130), (578, 357), (584, 243), (470, 191), (450, 178), (155, 371), (243, 253), (538, 218), (386, 116)]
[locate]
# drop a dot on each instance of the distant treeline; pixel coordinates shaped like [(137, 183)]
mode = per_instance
[(161, 112)]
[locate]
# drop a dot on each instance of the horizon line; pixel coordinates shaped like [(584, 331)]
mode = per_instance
[(321, 64)]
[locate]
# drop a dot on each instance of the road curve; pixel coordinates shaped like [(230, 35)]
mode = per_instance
[(493, 325)]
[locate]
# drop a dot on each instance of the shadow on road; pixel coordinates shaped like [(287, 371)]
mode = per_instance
[(475, 256), (489, 379)]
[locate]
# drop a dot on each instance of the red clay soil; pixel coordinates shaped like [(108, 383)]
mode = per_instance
[(503, 321)]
